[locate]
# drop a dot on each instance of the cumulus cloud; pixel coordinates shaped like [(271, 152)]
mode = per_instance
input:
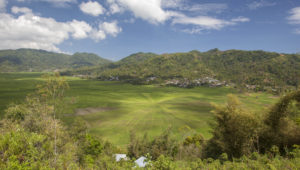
[(79, 29), (259, 4), (31, 31), (98, 34), (2, 5), (294, 18), (17, 10), (106, 28), (148, 10), (92, 8), (110, 28)]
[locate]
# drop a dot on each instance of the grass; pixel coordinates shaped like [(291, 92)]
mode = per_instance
[(147, 108)]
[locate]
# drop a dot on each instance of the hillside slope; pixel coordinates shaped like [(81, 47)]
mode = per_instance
[(39, 60), (255, 69)]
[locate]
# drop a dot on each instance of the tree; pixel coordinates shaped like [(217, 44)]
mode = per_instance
[(282, 128), (53, 93), (234, 130)]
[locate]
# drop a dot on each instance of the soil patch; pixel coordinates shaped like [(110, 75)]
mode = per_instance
[(91, 110)]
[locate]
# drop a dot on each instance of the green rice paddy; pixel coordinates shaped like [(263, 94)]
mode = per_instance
[(113, 109)]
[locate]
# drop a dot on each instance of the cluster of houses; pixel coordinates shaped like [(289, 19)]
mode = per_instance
[(141, 162), (206, 81), (184, 83)]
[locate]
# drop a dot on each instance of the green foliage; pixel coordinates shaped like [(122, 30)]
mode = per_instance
[(92, 146), (282, 128), (161, 145), (234, 131), (16, 113), (163, 163), (196, 139)]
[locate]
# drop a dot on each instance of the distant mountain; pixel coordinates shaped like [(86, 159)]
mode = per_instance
[(40, 60), (137, 58), (255, 69)]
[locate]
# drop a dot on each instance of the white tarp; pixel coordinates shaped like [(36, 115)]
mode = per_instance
[(141, 162), (120, 156)]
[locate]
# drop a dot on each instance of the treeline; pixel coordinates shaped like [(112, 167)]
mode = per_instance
[(258, 70), (32, 137)]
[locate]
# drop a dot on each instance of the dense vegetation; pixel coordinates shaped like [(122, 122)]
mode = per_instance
[(33, 138), (258, 70), (28, 60)]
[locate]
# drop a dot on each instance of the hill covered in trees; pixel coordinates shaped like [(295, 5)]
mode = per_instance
[(27, 60), (255, 70), (258, 70)]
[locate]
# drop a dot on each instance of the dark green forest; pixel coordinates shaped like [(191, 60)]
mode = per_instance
[(32, 137)]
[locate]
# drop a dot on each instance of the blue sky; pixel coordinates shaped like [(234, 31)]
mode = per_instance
[(117, 28)]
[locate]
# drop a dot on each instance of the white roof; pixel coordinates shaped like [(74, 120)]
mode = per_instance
[(141, 162), (120, 156)]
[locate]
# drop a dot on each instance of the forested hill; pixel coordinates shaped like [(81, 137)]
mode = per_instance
[(246, 68), (40, 60)]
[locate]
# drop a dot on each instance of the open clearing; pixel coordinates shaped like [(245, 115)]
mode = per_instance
[(113, 109)]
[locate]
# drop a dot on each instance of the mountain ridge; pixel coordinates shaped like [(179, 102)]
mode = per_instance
[(28, 60), (255, 69)]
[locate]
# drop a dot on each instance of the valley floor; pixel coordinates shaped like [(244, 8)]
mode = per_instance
[(113, 109)]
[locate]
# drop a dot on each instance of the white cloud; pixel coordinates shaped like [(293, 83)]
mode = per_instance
[(148, 10), (206, 22), (111, 28), (240, 19), (2, 5), (297, 31), (17, 10), (98, 35), (115, 8), (295, 16), (79, 29), (155, 11), (193, 30), (172, 3), (92, 8), (31, 31), (58, 3), (205, 8), (202, 21), (259, 4)]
